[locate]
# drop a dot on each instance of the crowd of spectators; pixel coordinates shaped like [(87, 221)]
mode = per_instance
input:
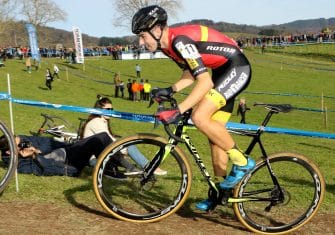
[(117, 50), (68, 53), (286, 40)]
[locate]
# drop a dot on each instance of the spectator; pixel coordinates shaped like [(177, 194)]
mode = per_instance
[(129, 88), (28, 64), (36, 64), (135, 89), (122, 89), (2, 64), (98, 123), (138, 70), (48, 79), (45, 156), (117, 81), (19, 53), (141, 89), (147, 89), (242, 109), (263, 47), (73, 57), (56, 71)]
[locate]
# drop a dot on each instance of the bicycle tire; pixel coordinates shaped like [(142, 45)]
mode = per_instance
[(160, 197), (304, 189), (8, 164)]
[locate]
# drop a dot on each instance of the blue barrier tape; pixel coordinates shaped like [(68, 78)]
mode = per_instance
[(250, 127), (111, 113), (151, 119), (4, 96)]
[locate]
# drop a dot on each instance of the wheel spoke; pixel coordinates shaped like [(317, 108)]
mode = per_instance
[(144, 197), (291, 205)]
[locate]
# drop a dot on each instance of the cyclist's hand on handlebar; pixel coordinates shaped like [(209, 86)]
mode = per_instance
[(158, 92), (169, 116)]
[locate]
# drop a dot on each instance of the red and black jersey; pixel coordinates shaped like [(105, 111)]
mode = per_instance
[(197, 47)]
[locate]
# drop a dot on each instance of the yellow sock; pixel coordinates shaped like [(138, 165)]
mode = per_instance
[(237, 157)]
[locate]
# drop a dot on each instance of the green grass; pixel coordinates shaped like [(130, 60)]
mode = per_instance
[(273, 72)]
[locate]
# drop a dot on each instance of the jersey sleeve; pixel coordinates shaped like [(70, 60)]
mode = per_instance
[(187, 50)]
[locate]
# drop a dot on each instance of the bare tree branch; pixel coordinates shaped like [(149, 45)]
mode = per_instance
[(7, 10), (42, 12), (125, 9), (7, 13)]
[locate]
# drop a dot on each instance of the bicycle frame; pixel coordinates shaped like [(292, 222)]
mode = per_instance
[(180, 135)]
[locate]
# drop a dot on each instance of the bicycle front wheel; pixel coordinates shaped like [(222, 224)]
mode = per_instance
[(265, 209), (8, 164), (140, 198)]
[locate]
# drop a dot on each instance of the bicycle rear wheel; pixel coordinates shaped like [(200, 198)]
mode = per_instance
[(133, 199), (303, 186), (8, 164)]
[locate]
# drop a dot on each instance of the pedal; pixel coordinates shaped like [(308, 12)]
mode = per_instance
[(213, 196), (224, 196)]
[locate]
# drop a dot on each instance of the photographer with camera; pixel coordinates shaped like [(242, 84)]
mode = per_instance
[(45, 156), (26, 149)]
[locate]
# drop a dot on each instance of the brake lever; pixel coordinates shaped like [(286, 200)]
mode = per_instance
[(160, 107)]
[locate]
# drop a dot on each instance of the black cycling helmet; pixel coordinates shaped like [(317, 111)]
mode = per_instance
[(147, 17)]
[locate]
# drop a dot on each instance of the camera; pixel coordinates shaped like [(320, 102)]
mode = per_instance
[(24, 144)]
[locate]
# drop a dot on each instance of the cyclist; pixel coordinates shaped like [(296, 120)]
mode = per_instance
[(196, 48)]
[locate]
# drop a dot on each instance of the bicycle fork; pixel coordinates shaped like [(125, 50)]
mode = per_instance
[(159, 157)]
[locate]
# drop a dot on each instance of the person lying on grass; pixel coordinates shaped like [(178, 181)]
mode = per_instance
[(45, 156)]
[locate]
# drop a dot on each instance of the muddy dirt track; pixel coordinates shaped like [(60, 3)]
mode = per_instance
[(42, 218)]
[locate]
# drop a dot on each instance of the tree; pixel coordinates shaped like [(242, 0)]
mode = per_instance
[(7, 12), (7, 9), (42, 12), (125, 9)]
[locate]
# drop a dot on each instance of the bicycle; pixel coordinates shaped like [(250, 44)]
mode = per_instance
[(281, 194), (58, 127), (8, 164)]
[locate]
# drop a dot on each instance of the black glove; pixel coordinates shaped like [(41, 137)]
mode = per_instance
[(157, 92), (169, 116)]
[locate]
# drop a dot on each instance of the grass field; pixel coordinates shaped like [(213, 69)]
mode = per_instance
[(276, 72)]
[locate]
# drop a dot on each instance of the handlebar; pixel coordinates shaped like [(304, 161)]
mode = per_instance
[(172, 103)]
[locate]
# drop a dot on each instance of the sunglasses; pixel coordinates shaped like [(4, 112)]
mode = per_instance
[(108, 108)]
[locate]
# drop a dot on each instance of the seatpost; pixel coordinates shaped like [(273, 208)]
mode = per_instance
[(268, 117)]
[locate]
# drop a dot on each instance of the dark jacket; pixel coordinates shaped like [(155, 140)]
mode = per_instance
[(41, 165)]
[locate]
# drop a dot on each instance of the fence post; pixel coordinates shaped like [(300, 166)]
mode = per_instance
[(326, 117), (322, 101), (12, 124)]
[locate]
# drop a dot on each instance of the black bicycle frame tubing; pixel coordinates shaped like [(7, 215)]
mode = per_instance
[(257, 140), (151, 167), (157, 159), (193, 151), (44, 122)]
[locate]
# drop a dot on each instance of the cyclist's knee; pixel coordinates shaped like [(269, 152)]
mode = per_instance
[(200, 120)]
